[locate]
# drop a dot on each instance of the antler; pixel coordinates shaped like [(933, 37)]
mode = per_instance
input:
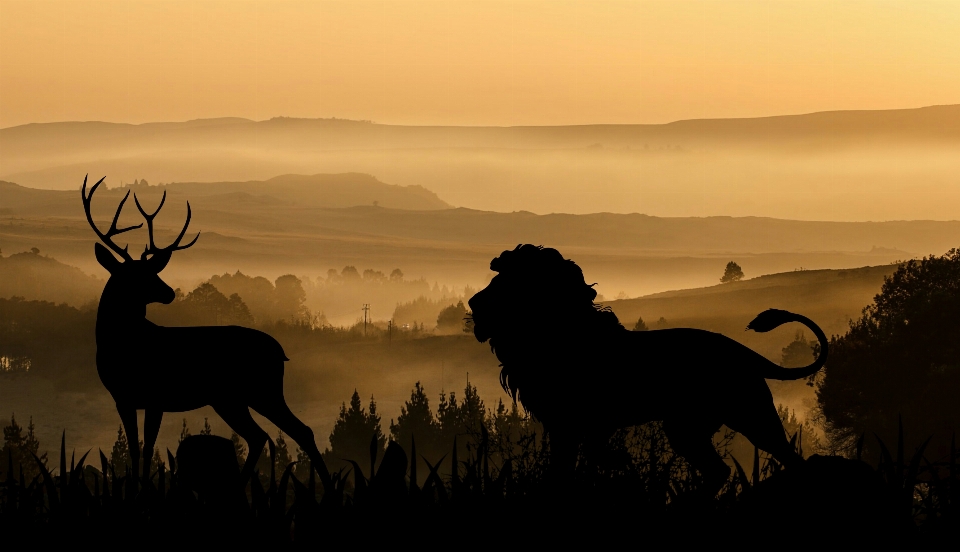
[(152, 249), (113, 231)]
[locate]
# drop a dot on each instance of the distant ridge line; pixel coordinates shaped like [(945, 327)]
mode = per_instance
[(337, 120)]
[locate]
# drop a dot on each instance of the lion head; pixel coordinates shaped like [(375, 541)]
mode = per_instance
[(537, 300)]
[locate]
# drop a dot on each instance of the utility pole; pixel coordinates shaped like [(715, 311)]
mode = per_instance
[(389, 332), (366, 307)]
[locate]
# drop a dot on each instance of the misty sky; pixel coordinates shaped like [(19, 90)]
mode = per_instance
[(471, 63)]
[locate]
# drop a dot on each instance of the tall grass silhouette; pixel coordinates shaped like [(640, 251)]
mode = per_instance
[(498, 485)]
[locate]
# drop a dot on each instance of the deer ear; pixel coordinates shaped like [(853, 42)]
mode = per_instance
[(106, 258), (159, 261)]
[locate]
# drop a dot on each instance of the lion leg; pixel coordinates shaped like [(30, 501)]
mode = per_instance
[(696, 446), (766, 432), (596, 449), (563, 455)]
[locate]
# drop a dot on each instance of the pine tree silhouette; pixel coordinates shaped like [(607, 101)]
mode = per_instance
[(354, 430)]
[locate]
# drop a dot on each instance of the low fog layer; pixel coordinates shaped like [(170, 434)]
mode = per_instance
[(280, 232)]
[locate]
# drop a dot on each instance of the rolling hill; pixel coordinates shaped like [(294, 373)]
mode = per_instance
[(34, 276), (326, 191), (845, 165), (831, 298)]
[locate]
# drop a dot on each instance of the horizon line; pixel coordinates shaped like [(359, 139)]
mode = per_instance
[(371, 122)]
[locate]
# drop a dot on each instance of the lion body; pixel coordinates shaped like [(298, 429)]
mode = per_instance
[(584, 376)]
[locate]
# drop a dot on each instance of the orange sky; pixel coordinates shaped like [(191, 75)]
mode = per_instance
[(471, 62)]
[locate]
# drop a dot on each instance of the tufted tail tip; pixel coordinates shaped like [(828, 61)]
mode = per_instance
[(770, 319)]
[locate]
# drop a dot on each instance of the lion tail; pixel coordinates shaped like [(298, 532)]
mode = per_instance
[(772, 318)]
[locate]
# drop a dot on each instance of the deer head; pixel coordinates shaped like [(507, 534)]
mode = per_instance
[(137, 280)]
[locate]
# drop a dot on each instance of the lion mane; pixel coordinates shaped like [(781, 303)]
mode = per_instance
[(540, 281)]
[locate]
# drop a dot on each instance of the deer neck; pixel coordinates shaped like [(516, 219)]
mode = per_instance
[(117, 315)]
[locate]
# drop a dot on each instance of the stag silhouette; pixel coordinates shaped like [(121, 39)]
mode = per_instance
[(167, 369)]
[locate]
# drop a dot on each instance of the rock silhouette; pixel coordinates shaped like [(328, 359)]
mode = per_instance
[(207, 465), (837, 495)]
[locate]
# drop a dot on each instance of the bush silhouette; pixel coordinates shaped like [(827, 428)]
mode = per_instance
[(899, 359)]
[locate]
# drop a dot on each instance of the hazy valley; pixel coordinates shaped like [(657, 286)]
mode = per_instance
[(278, 231)]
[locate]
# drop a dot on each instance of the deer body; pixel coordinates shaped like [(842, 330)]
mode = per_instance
[(174, 369), (206, 366)]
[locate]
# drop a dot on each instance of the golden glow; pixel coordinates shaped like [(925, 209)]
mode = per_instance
[(475, 63)]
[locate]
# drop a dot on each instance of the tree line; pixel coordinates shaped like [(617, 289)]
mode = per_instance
[(455, 423)]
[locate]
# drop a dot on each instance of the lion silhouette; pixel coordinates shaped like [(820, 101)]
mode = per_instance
[(573, 366)]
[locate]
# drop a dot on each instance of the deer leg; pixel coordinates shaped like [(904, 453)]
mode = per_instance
[(128, 417), (279, 413), (151, 428), (240, 420)]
